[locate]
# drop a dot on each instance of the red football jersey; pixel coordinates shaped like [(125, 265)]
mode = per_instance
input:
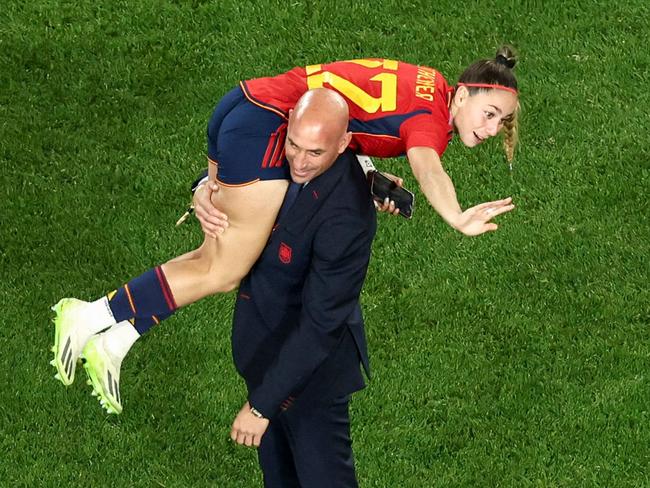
[(394, 106)]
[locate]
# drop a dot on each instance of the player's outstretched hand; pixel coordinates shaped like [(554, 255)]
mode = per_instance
[(213, 221), (389, 205), (476, 220)]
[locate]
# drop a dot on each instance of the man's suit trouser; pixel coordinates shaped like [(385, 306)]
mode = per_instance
[(309, 447)]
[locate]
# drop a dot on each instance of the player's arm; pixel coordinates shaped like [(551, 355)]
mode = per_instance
[(441, 194), (435, 183)]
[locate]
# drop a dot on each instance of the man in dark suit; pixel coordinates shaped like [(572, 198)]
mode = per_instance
[(298, 338)]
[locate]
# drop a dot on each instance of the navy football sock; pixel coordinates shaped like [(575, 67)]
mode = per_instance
[(143, 297), (143, 324)]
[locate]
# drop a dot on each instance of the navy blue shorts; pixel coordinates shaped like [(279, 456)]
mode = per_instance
[(246, 141)]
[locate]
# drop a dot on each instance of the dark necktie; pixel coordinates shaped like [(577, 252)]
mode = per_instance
[(289, 199)]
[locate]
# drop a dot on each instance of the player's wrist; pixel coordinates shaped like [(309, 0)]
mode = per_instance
[(455, 220)]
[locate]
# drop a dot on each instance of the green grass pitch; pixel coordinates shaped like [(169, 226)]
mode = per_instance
[(517, 359)]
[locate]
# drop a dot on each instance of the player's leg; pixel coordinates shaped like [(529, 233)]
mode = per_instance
[(77, 321), (244, 147), (248, 143), (217, 266), (221, 263)]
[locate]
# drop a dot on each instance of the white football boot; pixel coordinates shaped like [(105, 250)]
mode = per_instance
[(76, 321), (102, 360)]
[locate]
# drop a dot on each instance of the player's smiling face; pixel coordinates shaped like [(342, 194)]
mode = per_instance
[(482, 115)]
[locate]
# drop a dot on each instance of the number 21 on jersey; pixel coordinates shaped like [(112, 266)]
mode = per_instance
[(386, 102)]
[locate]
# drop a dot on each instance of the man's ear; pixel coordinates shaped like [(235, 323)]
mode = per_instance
[(345, 142)]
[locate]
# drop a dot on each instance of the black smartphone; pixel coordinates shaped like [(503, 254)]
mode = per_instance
[(382, 187)]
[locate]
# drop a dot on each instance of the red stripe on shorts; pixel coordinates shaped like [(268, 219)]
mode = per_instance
[(270, 149), (274, 154), (278, 153)]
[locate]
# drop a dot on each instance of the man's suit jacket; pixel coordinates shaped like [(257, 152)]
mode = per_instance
[(297, 327)]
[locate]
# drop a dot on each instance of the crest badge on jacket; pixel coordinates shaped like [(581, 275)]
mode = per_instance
[(284, 253)]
